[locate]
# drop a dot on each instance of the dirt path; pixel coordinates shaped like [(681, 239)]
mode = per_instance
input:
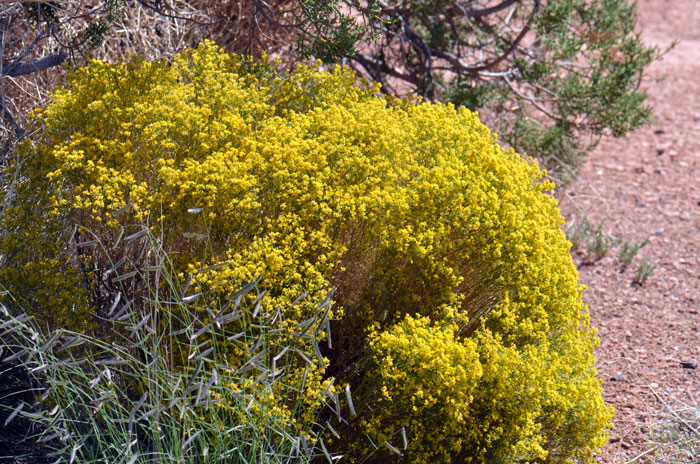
[(649, 185)]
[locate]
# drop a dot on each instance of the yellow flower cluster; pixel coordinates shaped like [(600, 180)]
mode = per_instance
[(409, 209), (424, 381), (293, 403)]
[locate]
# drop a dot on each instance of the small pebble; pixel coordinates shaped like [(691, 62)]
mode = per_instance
[(688, 365)]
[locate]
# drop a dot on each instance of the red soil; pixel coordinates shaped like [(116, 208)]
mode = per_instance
[(648, 184)]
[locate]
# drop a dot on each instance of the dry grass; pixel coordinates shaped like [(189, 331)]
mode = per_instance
[(137, 30), (675, 436), (159, 388)]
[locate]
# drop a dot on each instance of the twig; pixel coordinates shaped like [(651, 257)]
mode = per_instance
[(673, 413), (534, 102), (8, 116), (494, 9), (641, 455), (161, 11)]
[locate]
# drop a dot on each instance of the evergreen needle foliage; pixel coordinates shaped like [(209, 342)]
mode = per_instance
[(550, 76)]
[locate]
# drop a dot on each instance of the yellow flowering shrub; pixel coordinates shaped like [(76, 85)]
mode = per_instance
[(423, 380), (412, 211)]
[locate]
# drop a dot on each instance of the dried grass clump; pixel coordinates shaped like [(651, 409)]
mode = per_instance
[(168, 384), (675, 435), (31, 31)]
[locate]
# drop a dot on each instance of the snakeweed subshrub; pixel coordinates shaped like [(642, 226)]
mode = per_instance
[(456, 304)]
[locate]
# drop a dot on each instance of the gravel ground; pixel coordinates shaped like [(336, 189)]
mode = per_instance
[(648, 185)]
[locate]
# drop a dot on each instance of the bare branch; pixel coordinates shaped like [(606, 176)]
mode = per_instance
[(494, 9), (34, 66), (532, 100), (8, 116), (369, 61)]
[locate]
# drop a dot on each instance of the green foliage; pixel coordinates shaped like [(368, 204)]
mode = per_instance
[(445, 251), (93, 32), (39, 12), (555, 143), (550, 77), (463, 93), (644, 271), (326, 33), (629, 251), (595, 239), (595, 242), (565, 71)]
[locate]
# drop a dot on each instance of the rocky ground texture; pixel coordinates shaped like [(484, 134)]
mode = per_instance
[(648, 185)]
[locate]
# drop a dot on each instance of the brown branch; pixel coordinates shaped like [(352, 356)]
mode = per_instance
[(530, 99), (421, 48), (367, 60), (494, 9), (33, 66), (7, 115), (258, 8), (425, 68), (456, 61)]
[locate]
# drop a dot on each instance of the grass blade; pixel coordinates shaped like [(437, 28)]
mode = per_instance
[(14, 413)]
